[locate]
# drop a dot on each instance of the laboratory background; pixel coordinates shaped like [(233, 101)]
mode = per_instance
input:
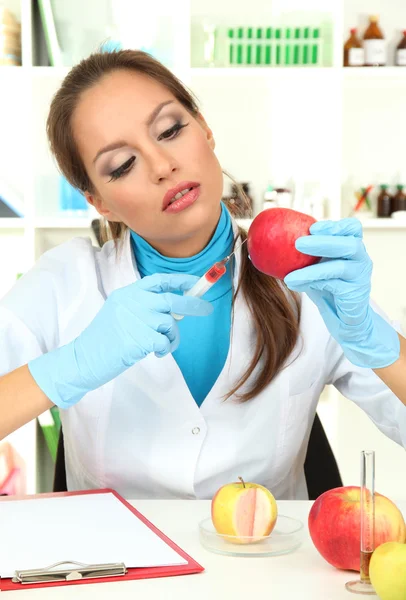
[(306, 100)]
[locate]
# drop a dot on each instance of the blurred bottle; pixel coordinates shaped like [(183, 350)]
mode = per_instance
[(297, 47), (10, 38), (209, 44), (316, 47), (259, 48), (240, 46), (400, 56), (306, 46), (284, 197), (288, 47), (13, 479), (231, 46), (384, 202), (240, 207), (374, 44), (278, 49), (399, 199), (270, 198), (354, 55), (268, 46), (249, 48)]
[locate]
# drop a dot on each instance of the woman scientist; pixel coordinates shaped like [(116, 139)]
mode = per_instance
[(157, 408)]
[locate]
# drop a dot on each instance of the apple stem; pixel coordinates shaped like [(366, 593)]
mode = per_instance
[(242, 481)]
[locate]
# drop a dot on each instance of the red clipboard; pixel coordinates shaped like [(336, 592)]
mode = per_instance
[(133, 573)]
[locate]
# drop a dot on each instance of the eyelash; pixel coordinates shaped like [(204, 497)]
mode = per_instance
[(169, 134)]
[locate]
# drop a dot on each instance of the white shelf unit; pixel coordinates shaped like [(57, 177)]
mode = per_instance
[(341, 127)]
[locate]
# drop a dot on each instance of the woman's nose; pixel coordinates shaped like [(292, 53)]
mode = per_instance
[(161, 165)]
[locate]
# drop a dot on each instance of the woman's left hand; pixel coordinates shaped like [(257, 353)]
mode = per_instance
[(340, 287)]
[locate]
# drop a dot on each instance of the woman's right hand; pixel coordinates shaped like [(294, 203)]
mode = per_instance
[(134, 321)]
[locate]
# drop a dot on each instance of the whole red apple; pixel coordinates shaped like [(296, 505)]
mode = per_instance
[(334, 525), (271, 241)]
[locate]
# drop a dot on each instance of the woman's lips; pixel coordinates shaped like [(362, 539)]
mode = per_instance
[(180, 187), (184, 202)]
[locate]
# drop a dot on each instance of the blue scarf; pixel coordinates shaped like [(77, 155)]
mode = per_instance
[(202, 362)]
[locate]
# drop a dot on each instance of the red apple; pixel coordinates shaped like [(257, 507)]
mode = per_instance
[(245, 511), (334, 525), (271, 241)]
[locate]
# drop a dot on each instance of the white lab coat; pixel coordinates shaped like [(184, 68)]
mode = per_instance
[(142, 433)]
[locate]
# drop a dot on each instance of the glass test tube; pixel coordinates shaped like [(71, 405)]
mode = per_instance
[(367, 511), (367, 526)]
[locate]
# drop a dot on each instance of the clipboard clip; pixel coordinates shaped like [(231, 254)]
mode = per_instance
[(83, 571)]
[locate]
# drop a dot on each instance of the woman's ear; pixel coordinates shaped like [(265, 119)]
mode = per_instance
[(96, 201), (210, 137)]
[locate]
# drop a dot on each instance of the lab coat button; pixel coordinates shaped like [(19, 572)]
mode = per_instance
[(196, 430)]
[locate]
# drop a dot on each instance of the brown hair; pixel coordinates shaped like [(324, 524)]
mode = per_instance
[(274, 308)]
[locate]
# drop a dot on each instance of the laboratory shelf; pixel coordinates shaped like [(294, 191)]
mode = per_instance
[(12, 223), (62, 223), (244, 71), (375, 72), (384, 224)]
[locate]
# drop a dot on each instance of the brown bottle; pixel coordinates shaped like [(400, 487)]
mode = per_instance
[(384, 202), (400, 56), (374, 45), (240, 207), (399, 199), (353, 51)]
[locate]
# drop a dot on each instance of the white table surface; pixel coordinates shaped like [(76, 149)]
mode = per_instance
[(301, 575)]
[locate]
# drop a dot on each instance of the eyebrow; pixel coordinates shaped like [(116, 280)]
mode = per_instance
[(121, 143)]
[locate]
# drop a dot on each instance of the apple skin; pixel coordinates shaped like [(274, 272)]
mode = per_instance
[(271, 241), (334, 525), (246, 511), (387, 571)]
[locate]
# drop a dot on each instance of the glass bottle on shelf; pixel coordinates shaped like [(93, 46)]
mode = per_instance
[(400, 56), (384, 202), (399, 199), (374, 44), (316, 47), (237, 204), (353, 51), (270, 198)]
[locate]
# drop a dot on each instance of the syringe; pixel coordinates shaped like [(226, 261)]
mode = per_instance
[(207, 281)]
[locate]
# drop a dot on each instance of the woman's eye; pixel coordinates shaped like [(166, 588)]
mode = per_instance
[(124, 168), (172, 132)]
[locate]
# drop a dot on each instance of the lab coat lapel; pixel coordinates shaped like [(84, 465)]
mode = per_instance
[(161, 376)]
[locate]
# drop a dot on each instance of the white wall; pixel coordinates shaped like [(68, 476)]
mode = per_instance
[(350, 430)]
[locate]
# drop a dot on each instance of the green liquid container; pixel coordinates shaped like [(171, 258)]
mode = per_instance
[(315, 47), (296, 47), (306, 48), (231, 51), (240, 35), (258, 48), (278, 36), (288, 47), (249, 46), (268, 47)]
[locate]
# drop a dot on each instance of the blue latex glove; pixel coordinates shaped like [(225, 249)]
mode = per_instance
[(133, 322), (340, 288)]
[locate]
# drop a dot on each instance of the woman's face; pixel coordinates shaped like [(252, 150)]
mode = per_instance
[(138, 143)]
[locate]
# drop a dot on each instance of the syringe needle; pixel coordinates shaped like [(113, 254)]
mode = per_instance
[(227, 258)]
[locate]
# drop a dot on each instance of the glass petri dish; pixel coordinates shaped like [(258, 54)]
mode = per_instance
[(286, 537)]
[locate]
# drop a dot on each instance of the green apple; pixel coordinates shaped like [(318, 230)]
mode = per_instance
[(387, 571)]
